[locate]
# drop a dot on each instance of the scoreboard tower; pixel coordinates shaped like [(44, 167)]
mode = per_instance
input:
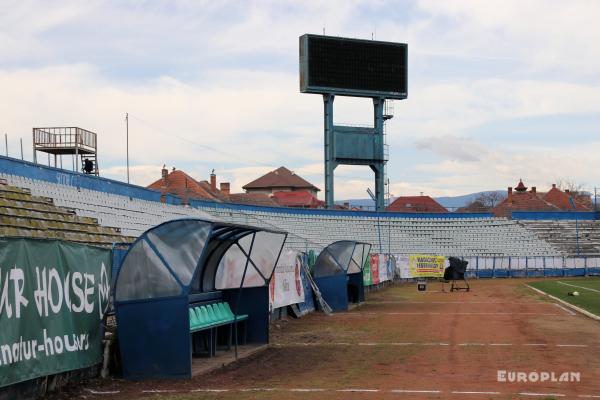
[(334, 66)]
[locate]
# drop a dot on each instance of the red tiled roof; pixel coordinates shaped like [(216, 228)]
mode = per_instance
[(561, 200), (416, 204), (522, 201), (216, 193), (259, 199), (280, 178), (181, 184), (297, 199)]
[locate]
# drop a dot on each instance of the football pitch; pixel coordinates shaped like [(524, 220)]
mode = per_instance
[(402, 344), (588, 290)]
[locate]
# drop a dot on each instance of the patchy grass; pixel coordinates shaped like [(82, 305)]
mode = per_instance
[(588, 288)]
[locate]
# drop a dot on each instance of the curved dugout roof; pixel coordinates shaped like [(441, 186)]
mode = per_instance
[(343, 257), (187, 256)]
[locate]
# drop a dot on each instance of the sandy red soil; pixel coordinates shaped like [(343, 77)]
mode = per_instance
[(400, 342)]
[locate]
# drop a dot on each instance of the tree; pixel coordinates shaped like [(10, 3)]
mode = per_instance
[(572, 186), (490, 199), (484, 202)]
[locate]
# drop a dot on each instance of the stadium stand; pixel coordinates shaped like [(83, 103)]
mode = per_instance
[(485, 236), (465, 235), (570, 237), (25, 215), (132, 216)]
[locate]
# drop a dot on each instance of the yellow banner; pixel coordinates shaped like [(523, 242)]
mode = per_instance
[(424, 266)]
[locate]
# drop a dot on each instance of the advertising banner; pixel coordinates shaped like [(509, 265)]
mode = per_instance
[(286, 285), (402, 266), (367, 277), (374, 269), (424, 266), (53, 296), (308, 304), (383, 270)]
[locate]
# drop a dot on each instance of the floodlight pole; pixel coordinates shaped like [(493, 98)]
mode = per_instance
[(347, 145), (378, 167), (330, 163), (127, 133)]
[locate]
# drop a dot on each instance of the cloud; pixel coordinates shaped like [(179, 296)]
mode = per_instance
[(503, 168), (456, 148), (215, 85), (521, 31), (142, 175)]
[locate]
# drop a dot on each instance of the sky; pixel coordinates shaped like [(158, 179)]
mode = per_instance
[(497, 90)]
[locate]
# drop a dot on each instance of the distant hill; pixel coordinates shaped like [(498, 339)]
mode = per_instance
[(454, 202), (450, 202)]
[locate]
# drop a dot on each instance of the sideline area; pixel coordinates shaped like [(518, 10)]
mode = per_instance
[(404, 344), (588, 290)]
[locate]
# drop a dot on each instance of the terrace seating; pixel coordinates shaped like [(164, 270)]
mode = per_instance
[(131, 215), (571, 237), (308, 230), (468, 237), (24, 215)]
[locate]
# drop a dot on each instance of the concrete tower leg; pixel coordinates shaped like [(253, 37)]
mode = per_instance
[(378, 168), (330, 163)]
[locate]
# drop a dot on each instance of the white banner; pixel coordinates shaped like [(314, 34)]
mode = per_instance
[(383, 270), (403, 266), (286, 284)]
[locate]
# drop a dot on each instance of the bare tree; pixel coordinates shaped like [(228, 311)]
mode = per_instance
[(490, 199), (571, 186), (484, 202)]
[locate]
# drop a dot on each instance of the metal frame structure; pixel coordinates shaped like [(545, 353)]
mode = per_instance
[(349, 145), (61, 141)]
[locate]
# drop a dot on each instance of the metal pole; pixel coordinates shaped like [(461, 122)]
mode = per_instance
[(6, 143), (77, 162), (33, 142), (239, 294), (577, 234), (379, 234), (329, 149), (379, 166), (21, 140), (127, 128)]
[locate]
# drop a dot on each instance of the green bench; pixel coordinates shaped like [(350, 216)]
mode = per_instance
[(209, 317)]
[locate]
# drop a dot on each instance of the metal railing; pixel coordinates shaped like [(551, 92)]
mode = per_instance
[(63, 137)]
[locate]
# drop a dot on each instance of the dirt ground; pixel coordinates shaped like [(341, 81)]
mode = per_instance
[(405, 344)]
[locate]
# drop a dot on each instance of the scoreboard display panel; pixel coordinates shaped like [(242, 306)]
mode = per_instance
[(353, 67)]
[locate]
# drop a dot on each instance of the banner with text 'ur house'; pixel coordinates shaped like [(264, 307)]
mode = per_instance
[(53, 296)]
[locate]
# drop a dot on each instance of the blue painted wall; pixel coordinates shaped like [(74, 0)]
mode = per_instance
[(555, 215), (27, 169), (337, 213), (172, 199)]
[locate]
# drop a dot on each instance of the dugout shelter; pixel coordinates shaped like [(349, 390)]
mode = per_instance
[(180, 265), (338, 273)]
